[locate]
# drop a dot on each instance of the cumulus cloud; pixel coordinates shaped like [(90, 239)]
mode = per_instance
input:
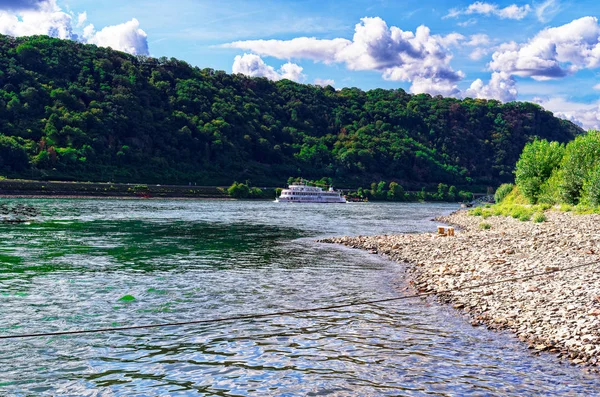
[(513, 11), (47, 18), (586, 115), (44, 19), (252, 65), (127, 37), (501, 86), (596, 87), (419, 57), (324, 82), (553, 52)]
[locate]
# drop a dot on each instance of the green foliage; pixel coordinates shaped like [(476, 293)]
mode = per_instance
[(238, 190), (465, 196), (82, 112), (579, 166), (537, 162), (485, 226), (539, 217), (478, 211), (503, 191), (396, 192)]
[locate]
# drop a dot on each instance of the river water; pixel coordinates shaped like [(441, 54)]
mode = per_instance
[(186, 260)]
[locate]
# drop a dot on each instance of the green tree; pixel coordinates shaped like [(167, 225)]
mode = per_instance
[(581, 158), (396, 192), (537, 162), (238, 190)]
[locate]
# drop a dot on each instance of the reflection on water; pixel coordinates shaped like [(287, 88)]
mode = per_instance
[(185, 260)]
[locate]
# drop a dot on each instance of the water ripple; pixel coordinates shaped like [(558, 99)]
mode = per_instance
[(184, 260)]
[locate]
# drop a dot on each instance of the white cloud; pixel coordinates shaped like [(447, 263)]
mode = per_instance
[(127, 37), (252, 65), (501, 87), (596, 87), (553, 52), (419, 57), (291, 71), (468, 22), (301, 47), (81, 19), (324, 82), (586, 115), (478, 39), (479, 53), (547, 10), (513, 11), (47, 18)]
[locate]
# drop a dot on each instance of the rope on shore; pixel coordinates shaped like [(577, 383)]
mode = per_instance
[(296, 311)]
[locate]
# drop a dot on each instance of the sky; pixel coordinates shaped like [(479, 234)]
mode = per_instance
[(542, 51)]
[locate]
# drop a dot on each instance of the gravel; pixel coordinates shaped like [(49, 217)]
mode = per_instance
[(559, 312)]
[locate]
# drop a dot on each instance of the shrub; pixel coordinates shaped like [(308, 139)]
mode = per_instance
[(581, 159), (503, 191), (465, 196), (539, 217), (238, 190), (485, 226), (537, 162), (566, 208), (525, 216), (255, 193), (591, 187), (475, 212)]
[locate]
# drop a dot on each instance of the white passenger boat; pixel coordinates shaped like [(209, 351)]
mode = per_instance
[(301, 193)]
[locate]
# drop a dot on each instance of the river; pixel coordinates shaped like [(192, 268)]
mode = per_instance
[(187, 260)]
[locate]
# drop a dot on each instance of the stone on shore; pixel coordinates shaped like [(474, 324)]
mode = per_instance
[(557, 312)]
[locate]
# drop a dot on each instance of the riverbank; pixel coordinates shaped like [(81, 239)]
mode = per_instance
[(558, 313), (57, 189)]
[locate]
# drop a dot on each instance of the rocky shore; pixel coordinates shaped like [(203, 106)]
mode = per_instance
[(558, 313)]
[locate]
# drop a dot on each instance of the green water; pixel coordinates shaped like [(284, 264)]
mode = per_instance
[(101, 263)]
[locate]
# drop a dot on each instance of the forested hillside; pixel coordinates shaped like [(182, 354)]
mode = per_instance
[(81, 112)]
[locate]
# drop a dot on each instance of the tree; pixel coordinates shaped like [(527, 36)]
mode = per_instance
[(396, 192), (537, 162)]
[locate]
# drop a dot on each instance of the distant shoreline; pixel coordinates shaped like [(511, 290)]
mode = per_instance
[(91, 197), (58, 189)]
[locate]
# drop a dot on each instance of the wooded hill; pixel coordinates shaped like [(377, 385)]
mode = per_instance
[(79, 112)]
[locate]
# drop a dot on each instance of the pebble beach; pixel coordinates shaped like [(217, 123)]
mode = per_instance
[(557, 313)]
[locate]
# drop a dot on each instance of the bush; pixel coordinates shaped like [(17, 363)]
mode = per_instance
[(525, 216), (581, 159), (539, 217), (465, 196), (503, 191), (566, 208), (537, 162), (485, 226), (238, 190), (475, 211), (591, 187)]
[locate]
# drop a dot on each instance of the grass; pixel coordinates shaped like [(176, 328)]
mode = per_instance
[(539, 217), (485, 226)]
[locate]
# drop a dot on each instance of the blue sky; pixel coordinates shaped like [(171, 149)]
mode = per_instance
[(545, 51)]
